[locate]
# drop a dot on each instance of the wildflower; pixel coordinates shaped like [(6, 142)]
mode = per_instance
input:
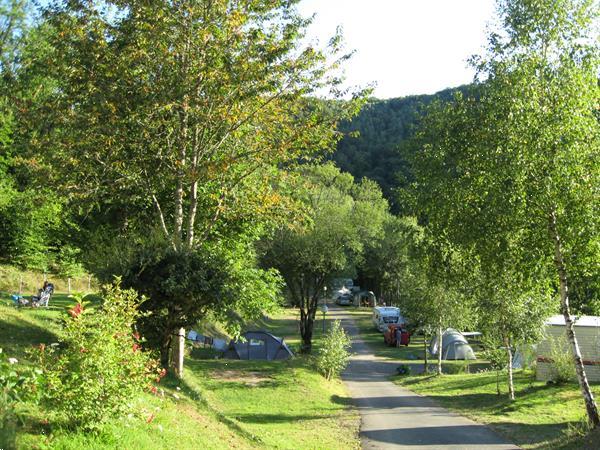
[(150, 418), (76, 311), (135, 347), (42, 347), (136, 336), (13, 360)]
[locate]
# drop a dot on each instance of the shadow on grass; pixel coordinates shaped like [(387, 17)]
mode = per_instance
[(17, 335), (278, 418)]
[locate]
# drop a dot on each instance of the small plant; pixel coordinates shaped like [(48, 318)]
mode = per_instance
[(18, 384), (563, 368), (100, 366), (403, 369), (334, 354), (497, 358)]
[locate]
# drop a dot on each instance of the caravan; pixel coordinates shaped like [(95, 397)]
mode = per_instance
[(386, 315)]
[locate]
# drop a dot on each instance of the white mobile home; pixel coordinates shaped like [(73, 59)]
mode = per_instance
[(587, 330)]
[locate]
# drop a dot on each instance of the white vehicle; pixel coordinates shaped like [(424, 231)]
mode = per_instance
[(385, 315)]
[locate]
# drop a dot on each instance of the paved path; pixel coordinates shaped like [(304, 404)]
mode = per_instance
[(393, 417)]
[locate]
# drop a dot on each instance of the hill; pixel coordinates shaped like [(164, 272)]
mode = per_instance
[(373, 139)]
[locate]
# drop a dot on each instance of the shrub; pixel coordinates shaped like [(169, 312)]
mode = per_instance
[(334, 354), (563, 367), (100, 366)]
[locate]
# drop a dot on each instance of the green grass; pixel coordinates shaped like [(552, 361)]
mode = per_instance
[(220, 404), (12, 278), (542, 416)]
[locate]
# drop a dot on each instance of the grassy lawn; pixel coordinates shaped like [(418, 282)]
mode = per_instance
[(220, 404), (542, 416)]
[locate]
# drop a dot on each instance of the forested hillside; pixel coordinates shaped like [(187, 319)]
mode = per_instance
[(374, 137)]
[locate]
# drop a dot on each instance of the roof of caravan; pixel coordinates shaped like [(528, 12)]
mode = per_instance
[(583, 321), (387, 309)]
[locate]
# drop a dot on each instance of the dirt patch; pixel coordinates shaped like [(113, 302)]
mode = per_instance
[(238, 376)]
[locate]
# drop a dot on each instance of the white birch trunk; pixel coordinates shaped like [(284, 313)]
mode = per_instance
[(588, 396)]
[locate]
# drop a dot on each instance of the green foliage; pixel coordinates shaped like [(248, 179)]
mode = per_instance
[(342, 217), (100, 365), (561, 354), (370, 147), (184, 287), (18, 384), (333, 355)]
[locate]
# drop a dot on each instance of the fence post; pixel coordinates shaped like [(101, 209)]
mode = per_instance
[(21, 285), (89, 282), (69, 285), (180, 350)]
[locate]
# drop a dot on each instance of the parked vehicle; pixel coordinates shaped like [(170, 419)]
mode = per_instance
[(396, 335), (386, 315), (344, 300)]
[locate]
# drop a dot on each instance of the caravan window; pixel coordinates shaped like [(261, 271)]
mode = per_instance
[(256, 342), (390, 319)]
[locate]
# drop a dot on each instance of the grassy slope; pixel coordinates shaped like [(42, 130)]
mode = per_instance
[(220, 404)]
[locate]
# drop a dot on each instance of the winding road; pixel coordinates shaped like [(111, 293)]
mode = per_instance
[(393, 417)]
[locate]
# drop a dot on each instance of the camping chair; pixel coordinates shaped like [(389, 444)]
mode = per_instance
[(44, 297)]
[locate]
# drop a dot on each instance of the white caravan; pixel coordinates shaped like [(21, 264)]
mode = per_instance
[(385, 315)]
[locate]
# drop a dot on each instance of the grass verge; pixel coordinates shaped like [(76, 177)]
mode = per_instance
[(542, 416)]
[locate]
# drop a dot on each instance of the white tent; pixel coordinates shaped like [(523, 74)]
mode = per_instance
[(454, 346)]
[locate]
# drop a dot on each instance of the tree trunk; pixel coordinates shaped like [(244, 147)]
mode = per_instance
[(426, 368), (192, 215), (588, 397), (439, 361), (511, 387), (306, 331), (164, 351)]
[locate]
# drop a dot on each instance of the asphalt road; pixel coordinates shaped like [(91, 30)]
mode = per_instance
[(393, 417)]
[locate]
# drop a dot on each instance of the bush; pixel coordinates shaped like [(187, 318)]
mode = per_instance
[(563, 366), (334, 354), (100, 366)]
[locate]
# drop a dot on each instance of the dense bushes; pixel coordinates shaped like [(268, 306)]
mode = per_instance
[(99, 366)]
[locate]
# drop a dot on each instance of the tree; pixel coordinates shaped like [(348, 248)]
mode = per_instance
[(341, 217), (183, 288), (180, 113), (518, 165)]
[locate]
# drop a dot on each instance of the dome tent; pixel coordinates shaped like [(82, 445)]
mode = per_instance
[(258, 345), (454, 346)]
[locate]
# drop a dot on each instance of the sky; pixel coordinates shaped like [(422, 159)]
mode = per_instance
[(406, 47)]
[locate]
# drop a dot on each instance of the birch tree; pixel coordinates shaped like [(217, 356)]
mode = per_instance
[(519, 160)]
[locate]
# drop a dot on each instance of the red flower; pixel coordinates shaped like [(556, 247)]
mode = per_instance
[(135, 347), (136, 336), (78, 309), (153, 389)]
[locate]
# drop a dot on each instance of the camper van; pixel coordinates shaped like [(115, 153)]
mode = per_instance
[(385, 315)]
